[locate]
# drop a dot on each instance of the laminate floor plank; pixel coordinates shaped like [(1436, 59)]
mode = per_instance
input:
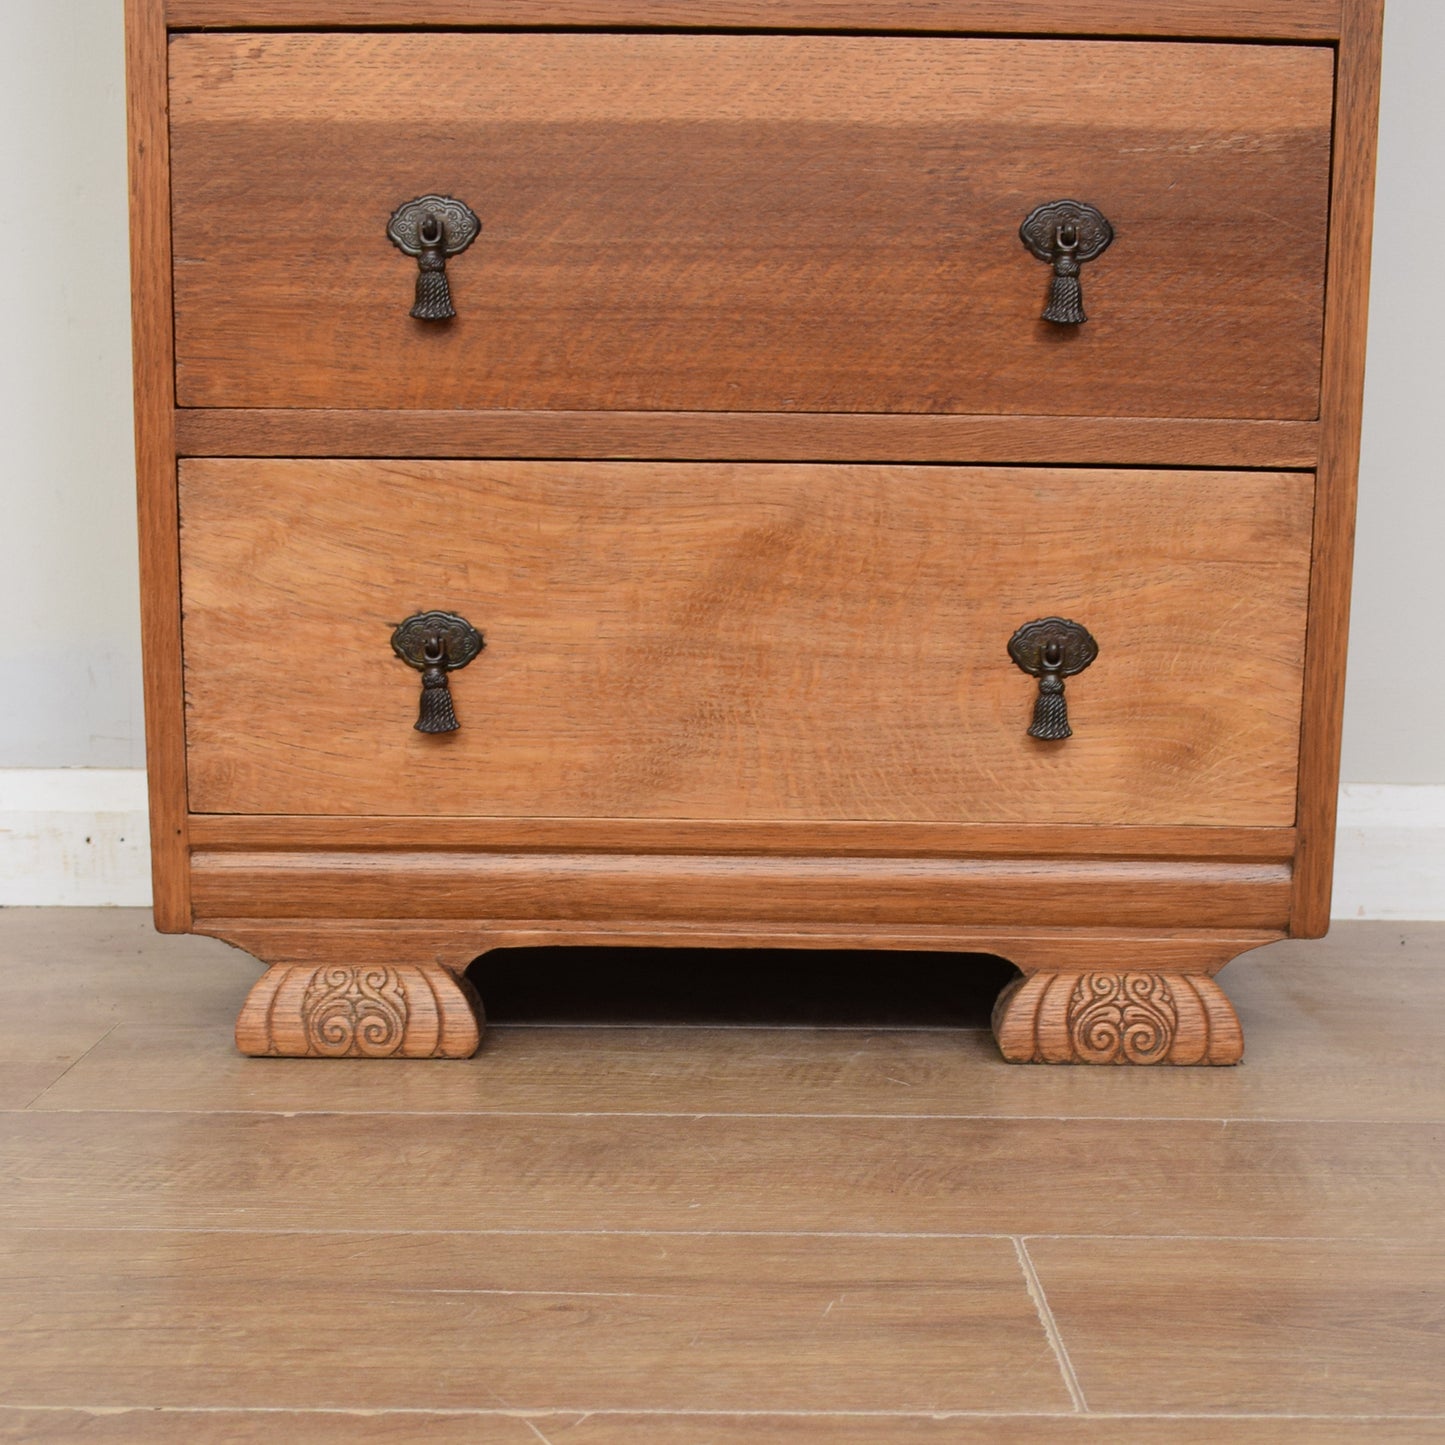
[(96, 967), (240, 1427), (714, 1235), (143, 1425), (1345, 1028), (1026, 1430), (530, 1322), (32, 1063), (1314, 1052), (1241, 1325), (620, 1172)]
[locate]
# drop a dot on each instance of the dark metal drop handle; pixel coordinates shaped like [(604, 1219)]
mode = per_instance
[(436, 643), (431, 228), (1066, 234), (1051, 650)]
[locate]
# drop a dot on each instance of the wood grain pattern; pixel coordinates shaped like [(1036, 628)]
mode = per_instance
[(146, 1278), (151, 323), (666, 1172), (1339, 1029), (969, 894), (838, 1429), (456, 942), (579, 1321), (1281, 1325), (1343, 400), (1248, 19), (747, 642), (1117, 1017), (222, 831), (360, 1011), (1326, 1042), (149, 1426), (749, 223), (756, 436)]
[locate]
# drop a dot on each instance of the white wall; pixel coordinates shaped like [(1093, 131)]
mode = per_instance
[(1395, 692), (69, 639), (69, 632)]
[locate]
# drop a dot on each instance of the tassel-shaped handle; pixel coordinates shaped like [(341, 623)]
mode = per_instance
[(436, 643), (1051, 650), (1051, 712), (1066, 234), (433, 294), (431, 228), (437, 714), (1066, 296)]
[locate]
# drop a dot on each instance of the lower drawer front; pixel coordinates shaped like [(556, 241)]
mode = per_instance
[(744, 641)]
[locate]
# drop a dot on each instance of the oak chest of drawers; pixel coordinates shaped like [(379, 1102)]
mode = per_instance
[(815, 473)]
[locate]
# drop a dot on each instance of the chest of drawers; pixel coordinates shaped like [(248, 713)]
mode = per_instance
[(748, 561)]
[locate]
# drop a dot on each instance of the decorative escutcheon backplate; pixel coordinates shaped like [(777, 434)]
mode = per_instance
[(431, 228), (436, 643), (1052, 649), (1066, 234)]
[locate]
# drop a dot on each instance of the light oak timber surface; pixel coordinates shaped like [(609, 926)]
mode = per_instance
[(746, 642), (1117, 1015), (1289, 19), (1343, 400), (454, 942), (240, 1427), (535, 889), (245, 833), (758, 436), (749, 223), (352, 1010), (152, 326), (1243, 1325), (563, 1174)]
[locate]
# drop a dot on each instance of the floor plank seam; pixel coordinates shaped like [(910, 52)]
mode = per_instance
[(532, 1426), (73, 1063), (693, 1116), (570, 1413), (1050, 1324), (381, 1232)]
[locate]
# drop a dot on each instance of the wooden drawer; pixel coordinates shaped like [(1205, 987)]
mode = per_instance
[(749, 223), (744, 642)]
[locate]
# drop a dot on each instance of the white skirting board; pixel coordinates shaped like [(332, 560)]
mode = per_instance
[(74, 836), (78, 836)]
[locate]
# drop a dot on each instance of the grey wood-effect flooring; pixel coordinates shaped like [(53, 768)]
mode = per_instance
[(712, 1199)]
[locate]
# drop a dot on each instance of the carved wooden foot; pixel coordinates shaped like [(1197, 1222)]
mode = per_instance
[(361, 1011), (1126, 1017)]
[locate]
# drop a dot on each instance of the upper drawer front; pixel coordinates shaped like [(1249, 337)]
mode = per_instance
[(748, 641), (749, 223)]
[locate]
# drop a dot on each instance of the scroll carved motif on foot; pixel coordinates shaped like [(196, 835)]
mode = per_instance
[(1136, 1017), (371, 1011)]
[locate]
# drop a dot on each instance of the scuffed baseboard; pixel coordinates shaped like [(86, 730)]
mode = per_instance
[(74, 836), (78, 836), (1390, 852)]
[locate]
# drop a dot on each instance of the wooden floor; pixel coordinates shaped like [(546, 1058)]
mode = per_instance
[(798, 1201)]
